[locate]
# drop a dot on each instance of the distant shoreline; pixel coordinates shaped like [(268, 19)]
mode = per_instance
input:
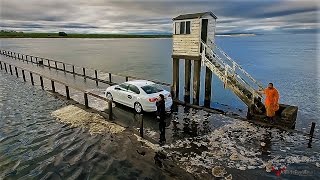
[(102, 36)]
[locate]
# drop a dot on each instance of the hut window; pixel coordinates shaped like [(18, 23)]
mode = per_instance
[(187, 27), (182, 27)]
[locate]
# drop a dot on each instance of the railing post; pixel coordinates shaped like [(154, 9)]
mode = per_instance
[(23, 75), (31, 59), (110, 109), (68, 92), (84, 72), (27, 59), (110, 79), (233, 68), (55, 63), (10, 69), (49, 64), (15, 57), (127, 78), (141, 128), (96, 75), (313, 125), (31, 79), (1, 65), (64, 67), (41, 83), (86, 103), (5, 67), (15, 68), (73, 69), (52, 86)]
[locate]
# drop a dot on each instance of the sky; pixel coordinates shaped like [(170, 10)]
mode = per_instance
[(155, 16)]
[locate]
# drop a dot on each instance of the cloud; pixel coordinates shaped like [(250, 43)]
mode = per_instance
[(101, 16)]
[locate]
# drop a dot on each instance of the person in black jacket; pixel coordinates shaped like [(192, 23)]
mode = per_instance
[(161, 116)]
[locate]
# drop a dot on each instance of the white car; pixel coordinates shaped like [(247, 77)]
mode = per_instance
[(138, 94)]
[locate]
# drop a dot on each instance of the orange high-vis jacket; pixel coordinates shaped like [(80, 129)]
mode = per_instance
[(272, 96)]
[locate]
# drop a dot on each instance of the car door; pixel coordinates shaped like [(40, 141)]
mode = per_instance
[(131, 95), (121, 93)]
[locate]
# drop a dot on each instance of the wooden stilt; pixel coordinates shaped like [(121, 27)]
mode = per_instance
[(208, 80), (187, 76), (175, 78), (196, 82)]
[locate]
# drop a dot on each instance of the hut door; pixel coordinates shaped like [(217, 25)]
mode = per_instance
[(204, 30)]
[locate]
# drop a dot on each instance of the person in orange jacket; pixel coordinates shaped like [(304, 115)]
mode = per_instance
[(271, 101)]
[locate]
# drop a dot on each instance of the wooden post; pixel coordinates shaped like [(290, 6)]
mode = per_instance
[(1, 65), (5, 67), (23, 75), (55, 63), (27, 59), (15, 68), (41, 83), (86, 103), (196, 81), (14, 54), (10, 69), (175, 78), (84, 72), (73, 69), (49, 64), (187, 74), (64, 67), (52, 86), (208, 80), (110, 109), (67, 92), (313, 125), (96, 75), (31, 79), (141, 128), (110, 78), (127, 79)]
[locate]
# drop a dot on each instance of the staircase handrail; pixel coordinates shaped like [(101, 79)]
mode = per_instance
[(238, 66)]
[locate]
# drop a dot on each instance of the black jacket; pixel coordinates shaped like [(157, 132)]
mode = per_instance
[(161, 109)]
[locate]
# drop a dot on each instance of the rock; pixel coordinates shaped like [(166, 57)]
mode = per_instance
[(229, 177), (219, 171), (269, 167), (234, 157), (263, 144)]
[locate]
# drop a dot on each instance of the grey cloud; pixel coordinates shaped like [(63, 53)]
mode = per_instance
[(154, 16)]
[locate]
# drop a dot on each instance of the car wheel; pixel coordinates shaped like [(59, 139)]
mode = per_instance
[(138, 108), (109, 96)]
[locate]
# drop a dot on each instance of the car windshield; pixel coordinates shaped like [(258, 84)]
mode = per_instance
[(152, 88)]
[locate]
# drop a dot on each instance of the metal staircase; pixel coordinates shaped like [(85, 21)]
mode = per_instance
[(230, 72)]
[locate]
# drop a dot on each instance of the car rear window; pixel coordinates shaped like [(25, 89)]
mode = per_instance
[(152, 88)]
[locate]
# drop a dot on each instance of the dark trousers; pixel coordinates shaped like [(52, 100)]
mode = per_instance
[(162, 128)]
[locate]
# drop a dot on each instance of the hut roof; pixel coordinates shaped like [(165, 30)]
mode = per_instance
[(194, 16)]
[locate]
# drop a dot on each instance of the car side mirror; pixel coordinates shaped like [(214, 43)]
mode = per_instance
[(117, 88)]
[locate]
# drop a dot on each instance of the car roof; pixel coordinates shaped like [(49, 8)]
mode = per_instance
[(140, 83)]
